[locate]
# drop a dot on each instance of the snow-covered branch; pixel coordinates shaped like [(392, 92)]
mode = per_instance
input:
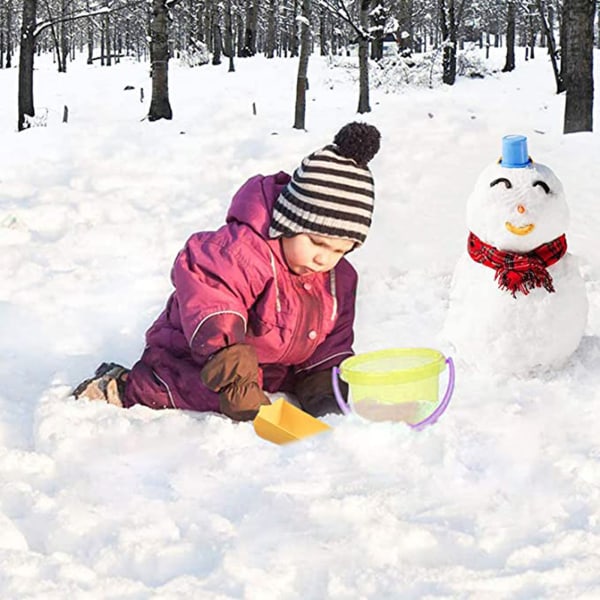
[(339, 9), (109, 8)]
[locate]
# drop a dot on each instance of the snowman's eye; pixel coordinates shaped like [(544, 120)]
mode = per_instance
[(543, 185), (503, 180)]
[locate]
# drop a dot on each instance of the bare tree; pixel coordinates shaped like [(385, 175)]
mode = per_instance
[(364, 105), (25, 91), (250, 31), (450, 14), (6, 33), (552, 51), (160, 107), (340, 9), (229, 40), (579, 25), (302, 80), (511, 17)]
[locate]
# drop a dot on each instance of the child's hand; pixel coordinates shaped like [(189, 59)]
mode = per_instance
[(233, 373), (315, 393)]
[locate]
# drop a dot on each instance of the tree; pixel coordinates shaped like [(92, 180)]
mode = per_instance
[(340, 10), (229, 42), (379, 19), (6, 33), (249, 48), (451, 12), (511, 16), (301, 80), (552, 51), (25, 86), (364, 105), (579, 25), (160, 107)]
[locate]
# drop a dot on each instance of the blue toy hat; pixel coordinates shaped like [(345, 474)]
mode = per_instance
[(514, 152)]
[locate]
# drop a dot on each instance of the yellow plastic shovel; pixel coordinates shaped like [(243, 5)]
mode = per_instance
[(281, 422)]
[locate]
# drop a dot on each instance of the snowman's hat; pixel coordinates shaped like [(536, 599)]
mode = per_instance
[(514, 152)]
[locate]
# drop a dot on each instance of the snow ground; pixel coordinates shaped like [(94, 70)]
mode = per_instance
[(500, 499)]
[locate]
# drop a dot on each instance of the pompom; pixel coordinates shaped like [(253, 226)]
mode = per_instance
[(359, 141)]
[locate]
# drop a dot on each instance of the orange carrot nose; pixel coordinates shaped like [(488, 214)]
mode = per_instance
[(520, 209)]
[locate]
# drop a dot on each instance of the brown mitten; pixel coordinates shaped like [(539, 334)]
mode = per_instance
[(233, 374), (315, 393)]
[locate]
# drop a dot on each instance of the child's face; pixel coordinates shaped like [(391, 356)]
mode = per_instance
[(310, 253)]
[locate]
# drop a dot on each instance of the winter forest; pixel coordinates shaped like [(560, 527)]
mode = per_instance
[(202, 32)]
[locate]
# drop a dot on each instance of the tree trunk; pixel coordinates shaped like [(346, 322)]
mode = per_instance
[(363, 59), (509, 65), (294, 33), (378, 18), (240, 35), (448, 26), (250, 31), (102, 42), (160, 108), (107, 41), (57, 47), (323, 32), (217, 43), (26, 54), (229, 40), (564, 52), (64, 39), (90, 41), (547, 28), (301, 80), (532, 33), (271, 41), (579, 104), (9, 40)]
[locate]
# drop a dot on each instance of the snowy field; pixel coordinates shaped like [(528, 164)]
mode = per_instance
[(500, 499)]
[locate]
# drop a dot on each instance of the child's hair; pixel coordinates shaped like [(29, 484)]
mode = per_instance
[(332, 192)]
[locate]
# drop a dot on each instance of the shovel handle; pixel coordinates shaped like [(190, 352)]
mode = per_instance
[(430, 420)]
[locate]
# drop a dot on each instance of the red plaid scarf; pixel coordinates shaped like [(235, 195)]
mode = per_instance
[(519, 272)]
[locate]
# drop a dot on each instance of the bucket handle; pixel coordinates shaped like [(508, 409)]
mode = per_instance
[(430, 420)]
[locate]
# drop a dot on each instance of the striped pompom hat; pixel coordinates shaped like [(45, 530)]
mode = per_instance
[(332, 192)]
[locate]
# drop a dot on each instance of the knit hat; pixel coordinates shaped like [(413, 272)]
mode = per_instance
[(332, 192)]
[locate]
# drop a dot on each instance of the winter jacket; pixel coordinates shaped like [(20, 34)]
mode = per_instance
[(233, 285)]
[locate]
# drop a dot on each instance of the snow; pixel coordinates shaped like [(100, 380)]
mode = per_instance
[(499, 499)]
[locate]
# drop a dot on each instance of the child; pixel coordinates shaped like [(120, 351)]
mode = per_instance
[(266, 301)]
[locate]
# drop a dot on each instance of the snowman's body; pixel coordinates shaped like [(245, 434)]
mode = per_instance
[(516, 210)]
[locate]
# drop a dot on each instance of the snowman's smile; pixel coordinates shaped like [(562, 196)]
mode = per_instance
[(524, 230)]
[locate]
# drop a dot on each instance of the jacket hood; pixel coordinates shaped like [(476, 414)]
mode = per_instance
[(253, 202)]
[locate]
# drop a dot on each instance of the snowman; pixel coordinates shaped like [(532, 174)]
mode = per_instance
[(517, 299)]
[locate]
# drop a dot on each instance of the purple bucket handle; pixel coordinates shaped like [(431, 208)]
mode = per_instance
[(430, 420)]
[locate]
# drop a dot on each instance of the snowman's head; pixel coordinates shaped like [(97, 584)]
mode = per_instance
[(517, 208)]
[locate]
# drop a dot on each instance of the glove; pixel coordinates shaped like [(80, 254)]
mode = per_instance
[(315, 393), (233, 374)]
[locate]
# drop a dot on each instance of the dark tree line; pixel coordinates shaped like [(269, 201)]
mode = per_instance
[(108, 30)]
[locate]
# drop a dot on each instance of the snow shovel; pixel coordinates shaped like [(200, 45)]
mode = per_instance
[(281, 422)]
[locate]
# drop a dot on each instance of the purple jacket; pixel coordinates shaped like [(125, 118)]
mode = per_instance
[(233, 285)]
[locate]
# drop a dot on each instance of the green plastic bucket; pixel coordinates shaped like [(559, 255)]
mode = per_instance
[(400, 384)]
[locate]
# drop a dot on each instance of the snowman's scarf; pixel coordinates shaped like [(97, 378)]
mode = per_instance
[(519, 272)]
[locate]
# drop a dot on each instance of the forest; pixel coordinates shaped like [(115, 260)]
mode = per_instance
[(209, 32)]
